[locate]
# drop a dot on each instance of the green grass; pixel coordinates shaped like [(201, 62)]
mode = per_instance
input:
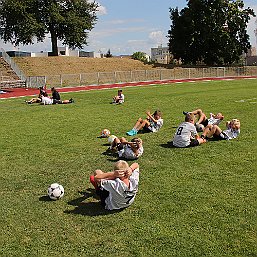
[(191, 202)]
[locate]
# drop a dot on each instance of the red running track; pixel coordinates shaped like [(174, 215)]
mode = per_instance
[(22, 92)]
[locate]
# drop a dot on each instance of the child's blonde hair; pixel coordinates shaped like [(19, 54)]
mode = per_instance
[(235, 123), (137, 140), (121, 165)]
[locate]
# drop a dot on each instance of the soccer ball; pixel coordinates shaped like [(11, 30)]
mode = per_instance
[(55, 191), (111, 139), (105, 133), (199, 127)]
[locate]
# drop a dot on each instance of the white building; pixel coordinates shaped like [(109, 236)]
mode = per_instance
[(161, 54)]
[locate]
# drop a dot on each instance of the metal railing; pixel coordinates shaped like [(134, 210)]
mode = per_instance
[(13, 65), (97, 78)]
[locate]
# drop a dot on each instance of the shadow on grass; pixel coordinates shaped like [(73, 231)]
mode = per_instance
[(168, 145), (45, 198), (88, 208), (111, 154)]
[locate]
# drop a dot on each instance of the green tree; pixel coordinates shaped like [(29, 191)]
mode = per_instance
[(23, 22), (213, 32), (141, 56)]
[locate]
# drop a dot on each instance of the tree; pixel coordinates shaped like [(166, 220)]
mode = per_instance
[(23, 22), (141, 56), (213, 32)]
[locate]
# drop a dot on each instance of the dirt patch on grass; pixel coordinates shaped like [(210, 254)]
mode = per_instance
[(45, 66)]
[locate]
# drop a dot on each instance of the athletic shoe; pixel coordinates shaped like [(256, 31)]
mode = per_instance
[(71, 100), (130, 133), (92, 181), (134, 132), (185, 113)]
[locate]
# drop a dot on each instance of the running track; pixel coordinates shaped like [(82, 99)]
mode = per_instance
[(22, 92)]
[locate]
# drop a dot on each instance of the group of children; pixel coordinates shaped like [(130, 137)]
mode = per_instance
[(133, 149), (44, 99), (187, 135), (117, 189)]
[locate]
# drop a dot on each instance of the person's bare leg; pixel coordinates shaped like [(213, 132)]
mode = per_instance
[(144, 123), (210, 130), (138, 123), (200, 114), (123, 140), (115, 142)]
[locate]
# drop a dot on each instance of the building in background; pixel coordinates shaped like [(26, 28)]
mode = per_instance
[(90, 54), (161, 54), (251, 57)]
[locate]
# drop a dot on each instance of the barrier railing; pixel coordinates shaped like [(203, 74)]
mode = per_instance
[(13, 65), (73, 80)]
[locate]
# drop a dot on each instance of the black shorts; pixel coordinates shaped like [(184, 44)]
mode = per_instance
[(146, 129), (193, 143), (56, 101), (103, 194), (221, 136), (205, 122)]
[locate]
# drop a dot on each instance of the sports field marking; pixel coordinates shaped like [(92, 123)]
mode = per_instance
[(246, 100)]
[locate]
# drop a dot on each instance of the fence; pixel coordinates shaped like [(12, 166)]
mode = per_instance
[(73, 80)]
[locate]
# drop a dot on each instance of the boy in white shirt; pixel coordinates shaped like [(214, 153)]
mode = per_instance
[(118, 99), (203, 121), (117, 189), (232, 131), (129, 150), (186, 134), (152, 123)]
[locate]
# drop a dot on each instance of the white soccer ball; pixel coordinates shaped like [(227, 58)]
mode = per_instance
[(199, 127), (105, 133), (55, 191), (111, 139)]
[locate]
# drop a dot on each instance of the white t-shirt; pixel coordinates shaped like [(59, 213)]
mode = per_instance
[(184, 133), (231, 133), (128, 153), (46, 100), (120, 195), (122, 98), (155, 126), (214, 121)]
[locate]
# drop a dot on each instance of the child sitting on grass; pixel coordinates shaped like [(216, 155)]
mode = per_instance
[(117, 189), (152, 123), (232, 131), (118, 99), (186, 134), (128, 150), (203, 121)]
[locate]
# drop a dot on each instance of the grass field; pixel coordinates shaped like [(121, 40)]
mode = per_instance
[(191, 202)]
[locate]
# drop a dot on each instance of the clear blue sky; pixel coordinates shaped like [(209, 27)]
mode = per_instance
[(127, 26)]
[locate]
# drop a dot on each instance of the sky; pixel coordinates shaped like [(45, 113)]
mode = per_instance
[(128, 26)]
